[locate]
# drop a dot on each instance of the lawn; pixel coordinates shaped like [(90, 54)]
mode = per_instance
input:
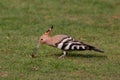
[(95, 22)]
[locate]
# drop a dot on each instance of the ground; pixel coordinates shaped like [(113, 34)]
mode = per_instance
[(95, 22)]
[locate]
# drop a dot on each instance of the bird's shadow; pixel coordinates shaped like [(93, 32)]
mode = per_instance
[(83, 55)]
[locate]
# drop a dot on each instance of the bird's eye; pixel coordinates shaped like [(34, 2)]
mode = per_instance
[(41, 39)]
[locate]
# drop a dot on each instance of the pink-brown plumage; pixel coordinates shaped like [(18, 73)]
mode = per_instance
[(46, 39)]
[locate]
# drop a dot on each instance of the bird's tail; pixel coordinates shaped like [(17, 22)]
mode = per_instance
[(94, 49)]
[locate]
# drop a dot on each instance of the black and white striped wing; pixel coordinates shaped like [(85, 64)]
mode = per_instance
[(69, 43)]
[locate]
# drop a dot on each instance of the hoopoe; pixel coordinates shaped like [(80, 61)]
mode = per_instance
[(63, 42)]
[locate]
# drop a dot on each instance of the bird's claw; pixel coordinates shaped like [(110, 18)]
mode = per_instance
[(62, 56)]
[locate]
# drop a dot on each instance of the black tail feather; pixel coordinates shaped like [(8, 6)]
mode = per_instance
[(97, 50), (94, 49)]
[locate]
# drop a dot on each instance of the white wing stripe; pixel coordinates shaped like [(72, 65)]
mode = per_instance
[(63, 41), (68, 46)]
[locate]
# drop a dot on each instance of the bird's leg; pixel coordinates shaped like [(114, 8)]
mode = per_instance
[(63, 55)]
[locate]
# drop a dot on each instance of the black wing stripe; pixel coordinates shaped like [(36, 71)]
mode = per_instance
[(63, 42)]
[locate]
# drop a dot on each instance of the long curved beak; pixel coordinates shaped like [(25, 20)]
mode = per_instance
[(38, 45), (35, 50)]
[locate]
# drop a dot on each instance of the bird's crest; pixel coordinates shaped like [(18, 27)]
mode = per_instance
[(48, 31)]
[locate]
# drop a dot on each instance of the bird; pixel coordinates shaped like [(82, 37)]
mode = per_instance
[(64, 42)]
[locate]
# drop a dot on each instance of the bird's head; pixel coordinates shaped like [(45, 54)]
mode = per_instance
[(42, 40), (45, 36)]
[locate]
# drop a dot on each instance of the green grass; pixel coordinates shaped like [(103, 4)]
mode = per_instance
[(95, 22)]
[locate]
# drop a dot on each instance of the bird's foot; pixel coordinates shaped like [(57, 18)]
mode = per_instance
[(62, 56)]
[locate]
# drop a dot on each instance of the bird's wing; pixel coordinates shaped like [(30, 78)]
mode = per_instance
[(68, 43), (74, 45)]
